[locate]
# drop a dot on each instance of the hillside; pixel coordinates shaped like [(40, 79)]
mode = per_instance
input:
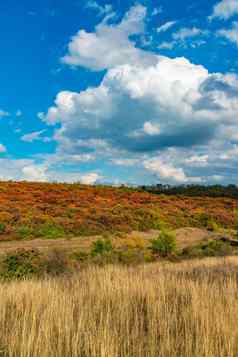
[(44, 210)]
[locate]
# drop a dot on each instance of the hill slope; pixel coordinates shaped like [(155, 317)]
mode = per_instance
[(44, 210)]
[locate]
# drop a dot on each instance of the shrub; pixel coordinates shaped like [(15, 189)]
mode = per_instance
[(20, 264), (165, 244), (207, 222), (134, 257), (2, 228), (101, 246), (214, 248), (24, 232), (209, 249), (50, 230), (80, 256), (134, 241), (56, 263)]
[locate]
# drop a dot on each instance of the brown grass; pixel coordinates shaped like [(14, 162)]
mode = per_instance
[(188, 309)]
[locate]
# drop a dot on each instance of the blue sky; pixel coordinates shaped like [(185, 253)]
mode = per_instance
[(119, 91)]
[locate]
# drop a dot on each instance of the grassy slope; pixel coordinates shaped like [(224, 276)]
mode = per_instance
[(30, 210)]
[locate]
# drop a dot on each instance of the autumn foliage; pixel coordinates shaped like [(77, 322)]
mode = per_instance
[(52, 210)]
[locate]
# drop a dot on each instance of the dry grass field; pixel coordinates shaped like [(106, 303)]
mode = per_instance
[(162, 309)]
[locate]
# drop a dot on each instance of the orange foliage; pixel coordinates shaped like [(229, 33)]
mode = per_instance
[(87, 210)]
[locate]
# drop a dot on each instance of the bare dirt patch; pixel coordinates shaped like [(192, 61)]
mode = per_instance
[(186, 237)]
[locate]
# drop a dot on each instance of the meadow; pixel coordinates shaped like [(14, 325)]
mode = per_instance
[(159, 309), (93, 271)]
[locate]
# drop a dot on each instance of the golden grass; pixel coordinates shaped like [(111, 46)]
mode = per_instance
[(185, 310)]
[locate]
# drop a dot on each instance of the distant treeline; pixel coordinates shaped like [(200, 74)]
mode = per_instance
[(193, 190)]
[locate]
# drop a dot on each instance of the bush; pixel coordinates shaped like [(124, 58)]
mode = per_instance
[(24, 232), (50, 230), (134, 257), (209, 249), (2, 228), (80, 256), (207, 221), (165, 244), (101, 246), (56, 263), (216, 248), (21, 264)]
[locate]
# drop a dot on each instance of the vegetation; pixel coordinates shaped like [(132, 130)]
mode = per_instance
[(52, 211), (165, 244), (194, 190), (157, 310), (210, 249), (98, 298)]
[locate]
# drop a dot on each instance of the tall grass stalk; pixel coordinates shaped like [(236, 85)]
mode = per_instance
[(188, 309)]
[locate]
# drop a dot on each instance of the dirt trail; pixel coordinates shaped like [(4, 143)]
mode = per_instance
[(185, 237)]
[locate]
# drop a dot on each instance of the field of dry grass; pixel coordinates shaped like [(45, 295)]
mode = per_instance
[(188, 309)]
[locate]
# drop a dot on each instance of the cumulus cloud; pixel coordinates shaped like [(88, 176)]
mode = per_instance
[(167, 172), (109, 45), (90, 179), (168, 101), (230, 34), (34, 173), (225, 9), (146, 108)]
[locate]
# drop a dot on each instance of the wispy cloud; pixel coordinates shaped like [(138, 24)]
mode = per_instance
[(187, 32), (100, 9), (166, 26), (230, 34), (225, 9), (35, 135)]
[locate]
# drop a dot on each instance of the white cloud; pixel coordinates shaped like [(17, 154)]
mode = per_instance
[(166, 26), (174, 103), (167, 172), (167, 45), (35, 135), (90, 178), (102, 10), (145, 108), (125, 162), (151, 129), (197, 160), (41, 173), (157, 10), (225, 9), (109, 45), (185, 33), (34, 173), (230, 34)]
